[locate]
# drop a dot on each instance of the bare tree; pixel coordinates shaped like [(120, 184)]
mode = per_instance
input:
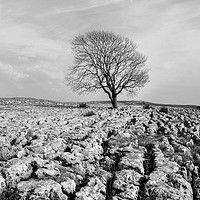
[(103, 60)]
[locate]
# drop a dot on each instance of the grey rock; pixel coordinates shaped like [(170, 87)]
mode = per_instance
[(40, 189), (68, 186), (95, 190)]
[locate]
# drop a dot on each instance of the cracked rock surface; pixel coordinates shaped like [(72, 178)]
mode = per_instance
[(130, 153)]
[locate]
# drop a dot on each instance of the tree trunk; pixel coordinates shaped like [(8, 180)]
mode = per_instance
[(114, 101)]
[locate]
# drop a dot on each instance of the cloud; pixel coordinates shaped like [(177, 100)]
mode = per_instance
[(104, 2), (35, 41), (25, 41), (45, 73), (8, 70)]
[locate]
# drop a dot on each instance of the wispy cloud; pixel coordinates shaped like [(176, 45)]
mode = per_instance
[(91, 4)]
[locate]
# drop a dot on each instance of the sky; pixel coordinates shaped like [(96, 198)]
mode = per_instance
[(36, 35)]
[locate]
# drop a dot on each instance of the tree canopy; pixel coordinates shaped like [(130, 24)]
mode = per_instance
[(104, 60)]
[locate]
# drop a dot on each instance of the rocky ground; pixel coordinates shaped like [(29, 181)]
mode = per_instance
[(131, 153)]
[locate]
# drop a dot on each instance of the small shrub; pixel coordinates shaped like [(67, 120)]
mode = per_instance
[(110, 108), (146, 106), (164, 110), (89, 113), (82, 105)]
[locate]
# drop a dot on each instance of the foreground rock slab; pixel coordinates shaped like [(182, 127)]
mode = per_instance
[(130, 153)]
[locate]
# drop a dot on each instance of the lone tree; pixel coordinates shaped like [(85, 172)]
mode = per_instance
[(103, 60)]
